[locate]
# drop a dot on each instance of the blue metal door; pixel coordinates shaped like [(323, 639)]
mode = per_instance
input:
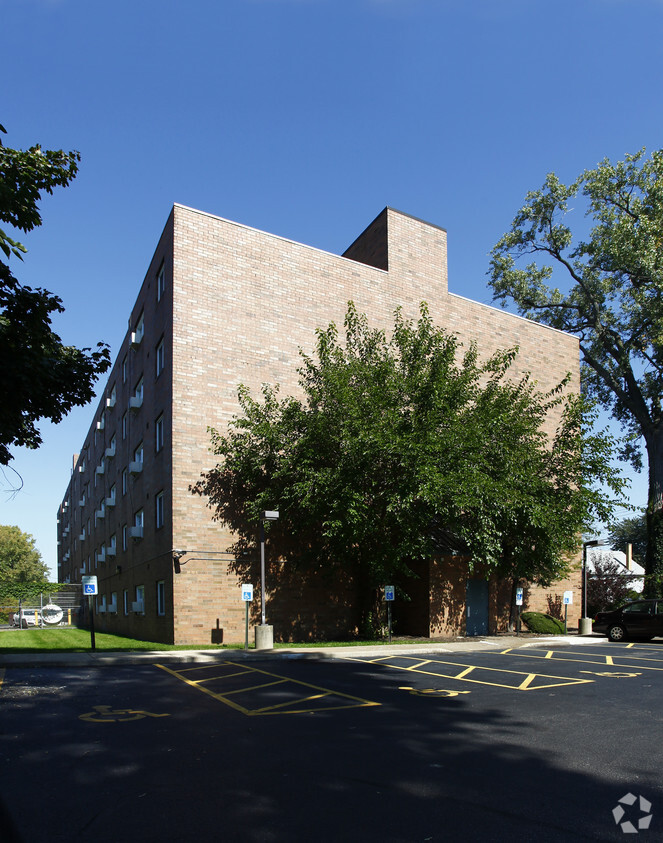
[(476, 605)]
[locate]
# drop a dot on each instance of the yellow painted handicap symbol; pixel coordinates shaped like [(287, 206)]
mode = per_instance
[(432, 692), (611, 674), (106, 714)]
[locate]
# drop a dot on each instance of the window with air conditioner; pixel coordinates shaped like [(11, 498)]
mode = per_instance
[(138, 605), (138, 333)]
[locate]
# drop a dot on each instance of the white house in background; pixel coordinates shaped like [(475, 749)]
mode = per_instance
[(633, 572)]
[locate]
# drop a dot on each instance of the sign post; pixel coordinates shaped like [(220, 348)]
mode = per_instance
[(247, 597), (568, 599), (519, 603), (90, 589), (389, 594)]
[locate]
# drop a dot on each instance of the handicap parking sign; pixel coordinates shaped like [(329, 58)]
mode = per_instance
[(247, 592), (89, 586)]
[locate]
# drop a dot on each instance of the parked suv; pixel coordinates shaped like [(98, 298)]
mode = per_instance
[(638, 619)]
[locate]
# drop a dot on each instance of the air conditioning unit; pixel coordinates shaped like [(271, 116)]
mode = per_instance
[(137, 337), (100, 469), (81, 467), (112, 609), (81, 502), (135, 467), (81, 537), (110, 501), (66, 556), (138, 607), (135, 532), (65, 532), (110, 402), (101, 424), (101, 556), (135, 402), (110, 550), (100, 513), (110, 452), (101, 609)]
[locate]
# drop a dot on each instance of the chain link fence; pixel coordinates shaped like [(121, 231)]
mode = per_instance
[(47, 610)]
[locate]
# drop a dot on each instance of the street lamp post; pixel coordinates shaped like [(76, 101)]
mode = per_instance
[(585, 622), (264, 632)]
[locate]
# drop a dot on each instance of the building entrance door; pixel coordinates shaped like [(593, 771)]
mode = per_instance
[(476, 607)]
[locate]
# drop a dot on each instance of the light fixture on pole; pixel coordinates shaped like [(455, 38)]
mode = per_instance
[(585, 622), (267, 515)]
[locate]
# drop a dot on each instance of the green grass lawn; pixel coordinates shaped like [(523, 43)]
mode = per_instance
[(73, 640)]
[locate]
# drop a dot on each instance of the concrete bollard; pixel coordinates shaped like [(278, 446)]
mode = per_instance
[(264, 637)]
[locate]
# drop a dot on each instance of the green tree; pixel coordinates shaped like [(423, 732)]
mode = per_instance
[(631, 531), (613, 301), (20, 561), (40, 378), (401, 446)]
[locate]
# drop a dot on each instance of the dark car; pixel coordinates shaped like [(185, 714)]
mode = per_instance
[(638, 619)]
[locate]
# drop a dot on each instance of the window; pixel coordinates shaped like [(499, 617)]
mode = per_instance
[(161, 597), (140, 599), (125, 425), (125, 369), (125, 481), (138, 518), (125, 601), (113, 603), (158, 502), (138, 333), (138, 453), (158, 434), (160, 358), (125, 537), (138, 392), (161, 283)]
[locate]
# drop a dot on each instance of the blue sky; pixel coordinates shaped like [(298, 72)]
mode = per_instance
[(303, 118)]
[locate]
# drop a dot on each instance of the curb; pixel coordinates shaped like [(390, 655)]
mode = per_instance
[(377, 651)]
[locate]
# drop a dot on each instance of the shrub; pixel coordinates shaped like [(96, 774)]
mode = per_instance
[(544, 624)]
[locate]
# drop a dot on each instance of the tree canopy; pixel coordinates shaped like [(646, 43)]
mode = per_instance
[(613, 300), (20, 561), (40, 378), (631, 531), (405, 448)]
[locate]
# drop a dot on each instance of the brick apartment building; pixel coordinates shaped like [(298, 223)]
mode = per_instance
[(224, 304)]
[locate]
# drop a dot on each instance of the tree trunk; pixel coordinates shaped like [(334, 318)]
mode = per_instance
[(654, 558)]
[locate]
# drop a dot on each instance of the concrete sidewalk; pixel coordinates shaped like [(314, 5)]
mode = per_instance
[(102, 658)]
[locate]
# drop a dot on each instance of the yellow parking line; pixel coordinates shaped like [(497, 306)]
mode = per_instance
[(464, 673), (254, 687), (525, 684), (600, 659), (307, 701)]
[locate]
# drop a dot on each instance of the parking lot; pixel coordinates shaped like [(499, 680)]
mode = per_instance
[(541, 742)]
